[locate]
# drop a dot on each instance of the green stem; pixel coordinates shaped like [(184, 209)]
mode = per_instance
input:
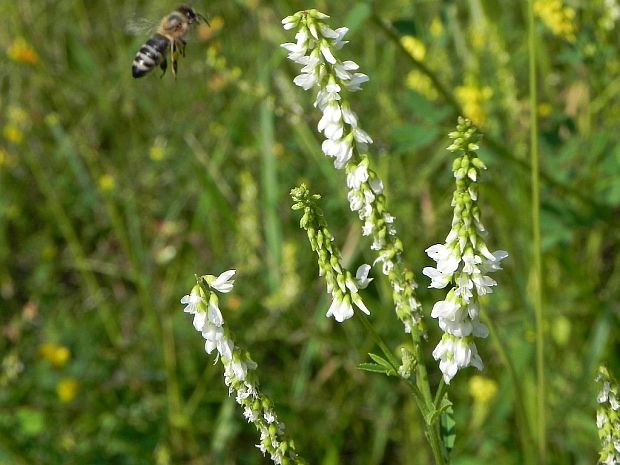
[(441, 391), (269, 180), (420, 390), (536, 240)]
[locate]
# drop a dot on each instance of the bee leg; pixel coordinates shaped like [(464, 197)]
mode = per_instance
[(173, 57), (182, 47), (163, 65)]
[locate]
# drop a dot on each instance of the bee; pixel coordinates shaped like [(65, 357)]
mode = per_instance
[(167, 40)]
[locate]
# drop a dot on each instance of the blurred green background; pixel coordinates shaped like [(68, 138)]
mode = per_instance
[(114, 192)]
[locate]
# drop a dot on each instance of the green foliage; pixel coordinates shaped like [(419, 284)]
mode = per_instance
[(115, 191)]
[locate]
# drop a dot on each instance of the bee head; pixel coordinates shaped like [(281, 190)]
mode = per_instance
[(191, 15)]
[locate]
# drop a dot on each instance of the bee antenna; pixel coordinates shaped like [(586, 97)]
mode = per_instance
[(204, 18)]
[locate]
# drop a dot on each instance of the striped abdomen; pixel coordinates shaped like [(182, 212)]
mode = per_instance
[(151, 55)]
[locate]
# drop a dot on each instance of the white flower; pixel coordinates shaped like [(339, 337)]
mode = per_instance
[(447, 261), (357, 300), (306, 81), (191, 302), (290, 22), (445, 309), (214, 315), (340, 309), (355, 83), (455, 353), (338, 42), (200, 319), (327, 53), (439, 280), (361, 276), (357, 176), (224, 282)]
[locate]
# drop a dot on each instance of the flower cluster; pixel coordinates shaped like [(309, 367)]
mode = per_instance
[(340, 283), (348, 145), (463, 261), (608, 418), (314, 51), (239, 368), (558, 17)]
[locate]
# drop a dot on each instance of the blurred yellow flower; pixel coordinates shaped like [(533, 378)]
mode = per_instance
[(107, 182), (157, 152), (544, 109), (67, 389), (13, 133), (557, 17), (436, 27), (206, 31), (58, 355), (422, 84), (473, 98), (22, 52), (482, 389), (414, 47)]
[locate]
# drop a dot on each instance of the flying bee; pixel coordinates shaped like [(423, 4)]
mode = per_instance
[(167, 40)]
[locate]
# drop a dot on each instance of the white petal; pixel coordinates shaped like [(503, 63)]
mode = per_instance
[(224, 282), (361, 276)]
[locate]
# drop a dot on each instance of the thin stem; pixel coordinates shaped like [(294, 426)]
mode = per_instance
[(420, 391), (441, 391), (536, 241)]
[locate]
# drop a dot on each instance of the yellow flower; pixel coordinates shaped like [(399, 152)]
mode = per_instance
[(22, 52), (557, 17), (436, 27), (482, 389), (13, 134), (422, 84), (414, 47), (157, 152), (544, 109), (56, 354), (67, 389), (473, 98), (107, 182)]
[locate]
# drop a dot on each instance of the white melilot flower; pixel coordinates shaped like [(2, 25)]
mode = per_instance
[(340, 309), (438, 279), (239, 368), (200, 318), (464, 261), (224, 282), (191, 303), (215, 315), (361, 276), (339, 123)]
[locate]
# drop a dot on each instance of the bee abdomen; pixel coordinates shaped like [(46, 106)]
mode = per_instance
[(150, 55)]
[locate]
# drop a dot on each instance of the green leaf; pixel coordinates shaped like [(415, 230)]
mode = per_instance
[(447, 427), (373, 367), (386, 366)]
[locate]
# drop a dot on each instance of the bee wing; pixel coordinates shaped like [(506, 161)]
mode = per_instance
[(141, 26)]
